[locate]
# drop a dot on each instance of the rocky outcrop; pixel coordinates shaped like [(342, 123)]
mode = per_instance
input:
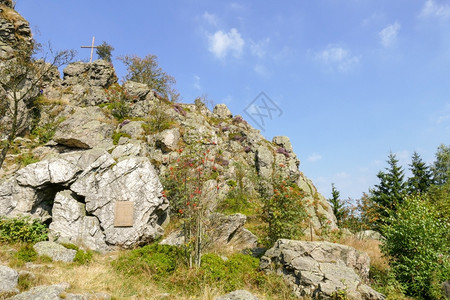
[(78, 194), (369, 235), (320, 270), (98, 73), (14, 30), (8, 280), (55, 251), (238, 295), (86, 128)]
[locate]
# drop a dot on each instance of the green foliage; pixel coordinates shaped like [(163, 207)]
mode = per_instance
[(284, 212), (389, 193), (118, 102), (26, 159), (22, 229), (421, 180), (83, 257), (159, 120), (26, 253), (104, 51), (117, 135), (146, 70), (419, 244), (232, 273), (337, 204), (157, 261), (441, 166)]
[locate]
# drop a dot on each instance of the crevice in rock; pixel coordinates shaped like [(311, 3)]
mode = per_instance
[(46, 197), (231, 236)]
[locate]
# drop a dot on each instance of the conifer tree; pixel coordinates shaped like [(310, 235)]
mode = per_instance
[(421, 179), (389, 193), (337, 204), (441, 167)]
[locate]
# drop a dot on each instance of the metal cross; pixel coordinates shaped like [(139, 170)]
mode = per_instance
[(91, 47)]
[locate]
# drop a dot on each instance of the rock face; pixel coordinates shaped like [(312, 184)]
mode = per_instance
[(77, 193), (8, 280), (13, 29), (320, 269), (99, 73)]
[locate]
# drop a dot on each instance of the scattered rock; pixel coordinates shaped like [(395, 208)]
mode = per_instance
[(8, 280), (320, 269), (55, 251), (369, 235), (238, 295)]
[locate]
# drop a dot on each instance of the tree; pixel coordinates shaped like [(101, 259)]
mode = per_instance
[(21, 79), (337, 204), (418, 242), (441, 167), (388, 194), (146, 70), (104, 51), (421, 179)]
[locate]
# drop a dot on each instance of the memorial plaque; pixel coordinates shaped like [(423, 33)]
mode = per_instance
[(124, 214)]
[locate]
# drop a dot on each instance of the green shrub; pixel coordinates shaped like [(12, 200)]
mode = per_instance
[(83, 257), (418, 242), (26, 253), (26, 159), (22, 229), (157, 261), (117, 135)]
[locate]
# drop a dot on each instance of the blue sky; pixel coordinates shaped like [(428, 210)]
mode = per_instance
[(354, 79)]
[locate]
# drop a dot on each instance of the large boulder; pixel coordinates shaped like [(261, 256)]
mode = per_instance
[(320, 270), (83, 195), (8, 280), (221, 111), (85, 129), (98, 73), (238, 295), (55, 251)]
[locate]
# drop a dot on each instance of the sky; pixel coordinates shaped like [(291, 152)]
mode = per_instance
[(348, 81)]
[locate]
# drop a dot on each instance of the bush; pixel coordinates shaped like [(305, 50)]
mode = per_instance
[(157, 261), (418, 242), (81, 257), (26, 253), (22, 229)]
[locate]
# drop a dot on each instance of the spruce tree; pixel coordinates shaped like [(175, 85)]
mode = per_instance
[(421, 179), (389, 193), (337, 204)]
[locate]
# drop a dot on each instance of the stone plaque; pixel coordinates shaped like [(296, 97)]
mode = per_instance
[(124, 214)]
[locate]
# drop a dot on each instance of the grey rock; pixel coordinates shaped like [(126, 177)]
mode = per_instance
[(446, 289), (44, 292), (85, 129), (136, 90), (264, 161), (8, 280), (168, 140), (7, 3), (71, 225), (98, 73), (221, 111), (133, 129), (133, 179), (54, 250), (320, 269), (238, 295), (283, 142)]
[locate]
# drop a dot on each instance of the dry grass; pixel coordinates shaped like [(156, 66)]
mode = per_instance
[(371, 247)]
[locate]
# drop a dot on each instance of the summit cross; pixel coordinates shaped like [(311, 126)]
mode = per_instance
[(91, 47)]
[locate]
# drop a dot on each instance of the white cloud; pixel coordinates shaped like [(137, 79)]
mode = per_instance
[(431, 9), (210, 18), (314, 157), (338, 58), (258, 49), (388, 35), (197, 85), (221, 43)]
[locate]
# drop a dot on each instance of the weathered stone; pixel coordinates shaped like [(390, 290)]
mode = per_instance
[(264, 161), (86, 128), (283, 142), (238, 295), (133, 129), (168, 140), (136, 90), (44, 292), (446, 289), (221, 111), (71, 225), (55, 251), (320, 269), (132, 179), (8, 280), (98, 73)]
